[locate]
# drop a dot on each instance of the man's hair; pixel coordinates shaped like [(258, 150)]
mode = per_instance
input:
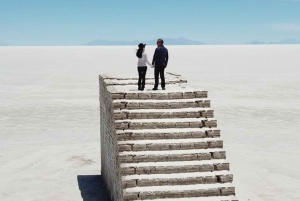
[(160, 40)]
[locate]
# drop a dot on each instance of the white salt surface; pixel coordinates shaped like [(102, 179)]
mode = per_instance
[(49, 114)]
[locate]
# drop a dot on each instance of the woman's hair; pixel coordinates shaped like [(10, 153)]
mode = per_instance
[(139, 52)]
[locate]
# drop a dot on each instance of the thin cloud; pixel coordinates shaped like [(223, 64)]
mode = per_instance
[(285, 27)]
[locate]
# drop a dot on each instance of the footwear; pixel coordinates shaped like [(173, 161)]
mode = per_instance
[(154, 89), (163, 88), (140, 88)]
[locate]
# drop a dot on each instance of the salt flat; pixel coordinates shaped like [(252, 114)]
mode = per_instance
[(49, 115)]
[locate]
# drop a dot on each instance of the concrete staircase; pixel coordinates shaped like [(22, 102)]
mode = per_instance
[(169, 145)]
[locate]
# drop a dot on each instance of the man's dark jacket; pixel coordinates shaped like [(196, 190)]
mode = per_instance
[(160, 57)]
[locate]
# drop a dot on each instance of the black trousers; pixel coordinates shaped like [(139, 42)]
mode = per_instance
[(159, 70), (142, 76)]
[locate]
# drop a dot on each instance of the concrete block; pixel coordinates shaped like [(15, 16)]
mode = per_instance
[(215, 144), (133, 105), (175, 95), (209, 180), (125, 159), (132, 96), (144, 96), (121, 125), (149, 195), (175, 105), (139, 147), (189, 104), (201, 145), (182, 125), (213, 133), (198, 124), (188, 95), (119, 105), (203, 156), (201, 94), (206, 167), (134, 116), (225, 178), (184, 146), (219, 155), (127, 170), (198, 134), (175, 146), (227, 191), (203, 103), (115, 96), (144, 170), (159, 96), (125, 147), (135, 125), (129, 196), (129, 183), (168, 124), (207, 113), (221, 166), (210, 123)]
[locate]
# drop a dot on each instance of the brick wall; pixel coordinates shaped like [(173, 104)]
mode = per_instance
[(110, 168)]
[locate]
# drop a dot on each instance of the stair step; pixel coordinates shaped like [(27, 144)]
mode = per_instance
[(163, 113), (165, 123), (169, 144), (131, 92), (170, 133), (161, 104), (174, 167), (177, 179), (178, 191), (173, 155), (214, 198)]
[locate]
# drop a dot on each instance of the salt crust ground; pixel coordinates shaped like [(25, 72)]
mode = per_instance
[(49, 130)]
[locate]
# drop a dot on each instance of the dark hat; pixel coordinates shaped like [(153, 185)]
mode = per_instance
[(141, 45)]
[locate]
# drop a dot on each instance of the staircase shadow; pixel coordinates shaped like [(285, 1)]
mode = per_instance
[(92, 188)]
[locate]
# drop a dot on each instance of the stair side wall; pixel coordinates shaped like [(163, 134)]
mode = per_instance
[(110, 167)]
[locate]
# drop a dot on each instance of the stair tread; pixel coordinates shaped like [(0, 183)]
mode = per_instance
[(192, 109), (166, 120), (176, 175), (214, 198), (162, 141), (174, 163), (170, 152), (167, 130), (177, 187), (160, 100), (171, 88)]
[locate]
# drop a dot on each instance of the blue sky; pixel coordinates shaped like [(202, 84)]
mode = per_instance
[(74, 22)]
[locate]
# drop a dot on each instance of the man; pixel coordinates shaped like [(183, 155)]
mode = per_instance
[(160, 62)]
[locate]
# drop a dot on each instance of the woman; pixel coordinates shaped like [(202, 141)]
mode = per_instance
[(142, 67)]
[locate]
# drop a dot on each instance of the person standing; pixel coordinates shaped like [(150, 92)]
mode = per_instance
[(142, 66), (160, 62)]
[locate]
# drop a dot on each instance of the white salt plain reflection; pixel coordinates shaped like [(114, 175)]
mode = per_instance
[(49, 114)]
